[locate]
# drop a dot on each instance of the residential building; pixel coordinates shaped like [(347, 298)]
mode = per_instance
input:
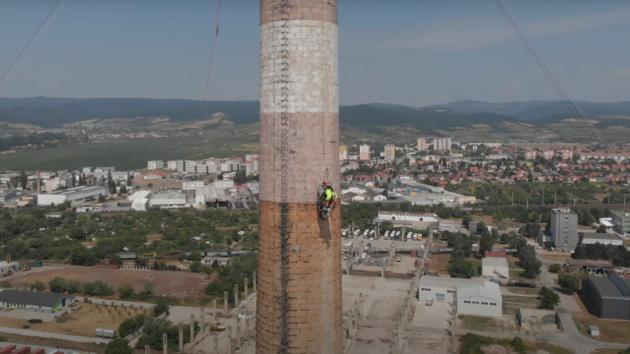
[(390, 152), (343, 152), (549, 154), (251, 164), (621, 221), (530, 155), (591, 238), (171, 165), (495, 268), (475, 296), (421, 144), (364, 152), (73, 195), (608, 297), (34, 301), (190, 166), (563, 228), (442, 144), (155, 165)]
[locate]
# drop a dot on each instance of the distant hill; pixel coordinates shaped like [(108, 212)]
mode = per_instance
[(56, 111), (537, 111), (374, 116), (368, 117)]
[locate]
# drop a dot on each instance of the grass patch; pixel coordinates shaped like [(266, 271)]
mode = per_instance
[(610, 330), (478, 323), (523, 291), (473, 344), (511, 303)]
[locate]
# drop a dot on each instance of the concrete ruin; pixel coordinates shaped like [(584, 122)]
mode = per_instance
[(299, 280)]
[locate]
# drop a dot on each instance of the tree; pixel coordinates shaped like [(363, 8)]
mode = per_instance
[(240, 177), (486, 243), (555, 268), (548, 299), (125, 292), (570, 281), (463, 268), (118, 346), (39, 285), (146, 293), (23, 179), (57, 285), (195, 267), (160, 307), (123, 189)]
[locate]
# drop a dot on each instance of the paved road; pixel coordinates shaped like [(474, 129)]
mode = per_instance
[(50, 335), (571, 337)]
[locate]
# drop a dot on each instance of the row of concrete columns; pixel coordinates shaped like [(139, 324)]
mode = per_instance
[(226, 294), (235, 336)]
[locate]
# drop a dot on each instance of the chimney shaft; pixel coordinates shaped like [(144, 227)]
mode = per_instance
[(299, 274)]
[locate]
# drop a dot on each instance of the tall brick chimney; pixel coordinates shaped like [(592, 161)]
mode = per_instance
[(299, 275)]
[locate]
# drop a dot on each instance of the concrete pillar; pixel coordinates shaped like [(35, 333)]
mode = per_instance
[(225, 302), (147, 349), (245, 285), (238, 332), (215, 344), (247, 326), (165, 343), (235, 295), (192, 328), (203, 321), (181, 336), (228, 330), (254, 282)]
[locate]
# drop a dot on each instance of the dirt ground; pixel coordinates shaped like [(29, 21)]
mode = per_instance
[(83, 321), (610, 330), (439, 263), (182, 285)]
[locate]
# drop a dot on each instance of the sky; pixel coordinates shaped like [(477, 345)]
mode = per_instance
[(412, 52)]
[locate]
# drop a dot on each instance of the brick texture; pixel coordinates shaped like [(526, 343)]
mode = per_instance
[(314, 273), (318, 10), (299, 291)]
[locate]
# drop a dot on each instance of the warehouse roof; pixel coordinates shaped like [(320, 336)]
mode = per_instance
[(486, 289), (600, 236), (448, 282), (612, 286), (31, 298)]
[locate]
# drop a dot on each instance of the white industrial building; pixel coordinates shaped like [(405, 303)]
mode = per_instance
[(475, 296), (8, 268), (495, 267), (73, 195), (168, 200), (401, 216), (139, 200), (591, 238)]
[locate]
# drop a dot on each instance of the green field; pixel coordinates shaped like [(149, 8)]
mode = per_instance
[(126, 154)]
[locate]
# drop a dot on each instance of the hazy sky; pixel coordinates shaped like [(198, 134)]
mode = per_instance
[(413, 52)]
